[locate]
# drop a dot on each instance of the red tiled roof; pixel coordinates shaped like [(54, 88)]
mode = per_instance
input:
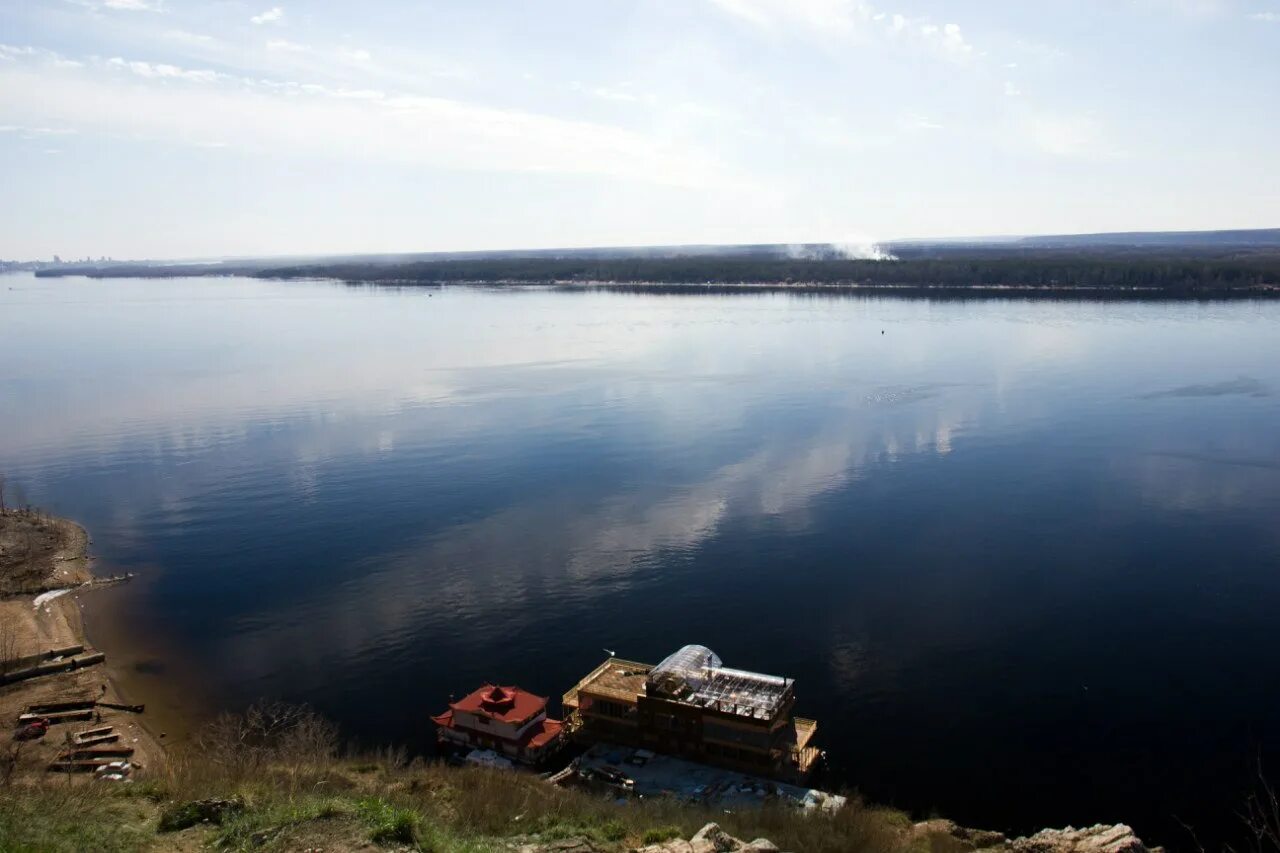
[(543, 733), (507, 704)]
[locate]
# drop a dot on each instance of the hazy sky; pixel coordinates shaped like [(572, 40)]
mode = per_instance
[(175, 128)]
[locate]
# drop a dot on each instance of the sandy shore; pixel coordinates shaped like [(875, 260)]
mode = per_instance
[(39, 555)]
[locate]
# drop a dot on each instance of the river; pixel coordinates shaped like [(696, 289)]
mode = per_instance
[(1022, 556)]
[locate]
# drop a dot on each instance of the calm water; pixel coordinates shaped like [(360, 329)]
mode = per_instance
[(1022, 557)]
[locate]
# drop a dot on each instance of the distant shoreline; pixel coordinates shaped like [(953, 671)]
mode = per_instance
[(945, 291), (949, 272)]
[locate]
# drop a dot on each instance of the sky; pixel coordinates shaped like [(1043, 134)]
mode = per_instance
[(182, 129)]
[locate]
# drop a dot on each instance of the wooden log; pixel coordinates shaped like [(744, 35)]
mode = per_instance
[(58, 717), (111, 752), (88, 660), (75, 766), (53, 707), (136, 709), (100, 730), (95, 740)]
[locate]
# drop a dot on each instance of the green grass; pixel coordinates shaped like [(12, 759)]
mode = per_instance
[(422, 807), (56, 819), (294, 793), (387, 823), (267, 824), (659, 834)]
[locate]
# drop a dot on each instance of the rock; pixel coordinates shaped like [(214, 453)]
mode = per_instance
[(981, 839), (182, 815), (1094, 839), (560, 845), (712, 839), (676, 845), (760, 845)]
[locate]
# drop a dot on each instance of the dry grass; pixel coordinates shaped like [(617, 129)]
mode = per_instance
[(283, 764)]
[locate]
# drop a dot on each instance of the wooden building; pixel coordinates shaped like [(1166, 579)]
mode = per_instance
[(693, 706), (507, 720)]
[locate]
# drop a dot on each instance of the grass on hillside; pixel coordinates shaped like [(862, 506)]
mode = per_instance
[(292, 791)]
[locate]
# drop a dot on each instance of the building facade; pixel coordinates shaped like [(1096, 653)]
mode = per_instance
[(507, 720), (693, 706)]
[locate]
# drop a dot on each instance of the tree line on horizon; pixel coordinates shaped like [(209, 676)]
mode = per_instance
[(1173, 274), (1162, 274)]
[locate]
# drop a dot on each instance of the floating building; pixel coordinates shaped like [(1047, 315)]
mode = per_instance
[(510, 721), (692, 705)]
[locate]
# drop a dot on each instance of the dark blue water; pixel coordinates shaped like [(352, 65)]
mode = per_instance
[(1022, 557)]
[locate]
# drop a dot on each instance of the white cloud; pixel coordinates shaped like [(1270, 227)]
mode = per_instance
[(1268, 17), (843, 18), (188, 37), (1191, 8), (919, 122), (13, 51), (354, 55), (30, 132), (134, 5), (164, 71), (274, 15), (161, 101), (607, 93), (1068, 135), (1011, 90), (840, 16), (287, 46)]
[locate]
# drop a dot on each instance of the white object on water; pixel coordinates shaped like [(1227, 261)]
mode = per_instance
[(46, 597)]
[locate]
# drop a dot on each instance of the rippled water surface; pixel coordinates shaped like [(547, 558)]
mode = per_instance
[(1023, 557)]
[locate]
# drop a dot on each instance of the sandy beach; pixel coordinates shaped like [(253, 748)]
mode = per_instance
[(45, 576)]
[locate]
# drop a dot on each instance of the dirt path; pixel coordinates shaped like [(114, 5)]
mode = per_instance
[(40, 554)]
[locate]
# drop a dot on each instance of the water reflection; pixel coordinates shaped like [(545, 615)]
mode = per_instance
[(947, 519)]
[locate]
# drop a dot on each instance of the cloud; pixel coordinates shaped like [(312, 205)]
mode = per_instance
[(919, 122), (1011, 90), (1064, 135), (188, 37), (161, 101), (844, 18), (134, 5), (164, 71), (1190, 8), (839, 16), (287, 46), (607, 93), (355, 55), (1268, 17), (274, 15), (31, 132)]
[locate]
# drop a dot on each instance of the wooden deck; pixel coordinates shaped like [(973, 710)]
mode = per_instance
[(616, 679)]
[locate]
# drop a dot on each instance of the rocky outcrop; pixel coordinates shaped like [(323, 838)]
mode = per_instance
[(1101, 838), (712, 839), (1094, 839)]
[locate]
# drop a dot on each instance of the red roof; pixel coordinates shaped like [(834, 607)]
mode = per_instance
[(542, 734), (537, 736), (506, 704)]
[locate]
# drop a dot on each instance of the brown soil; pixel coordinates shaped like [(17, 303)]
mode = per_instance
[(39, 553)]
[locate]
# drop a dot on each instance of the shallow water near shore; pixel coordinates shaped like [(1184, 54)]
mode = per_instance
[(1022, 557)]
